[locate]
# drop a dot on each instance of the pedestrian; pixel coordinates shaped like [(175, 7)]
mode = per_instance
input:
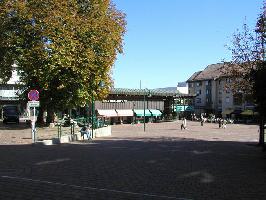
[(85, 130), (184, 124), (224, 123), (220, 122), (202, 120)]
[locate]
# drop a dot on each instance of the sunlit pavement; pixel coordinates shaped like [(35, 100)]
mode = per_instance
[(161, 163)]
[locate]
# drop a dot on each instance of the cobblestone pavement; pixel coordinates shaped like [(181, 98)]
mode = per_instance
[(162, 163)]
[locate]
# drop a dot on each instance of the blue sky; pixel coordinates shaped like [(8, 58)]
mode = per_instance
[(168, 40)]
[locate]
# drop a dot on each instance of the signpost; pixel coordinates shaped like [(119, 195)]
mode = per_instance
[(33, 96)]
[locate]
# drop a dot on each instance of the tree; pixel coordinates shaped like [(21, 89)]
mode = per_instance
[(248, 65), (63, 47)]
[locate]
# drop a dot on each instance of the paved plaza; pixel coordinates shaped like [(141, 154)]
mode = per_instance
[(161, 163)]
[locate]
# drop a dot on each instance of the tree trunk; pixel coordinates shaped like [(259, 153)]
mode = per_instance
[(40, 119), (261, 137), (50, 116)]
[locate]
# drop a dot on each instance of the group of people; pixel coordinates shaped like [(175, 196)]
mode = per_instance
[(86, 131), (222, 122)]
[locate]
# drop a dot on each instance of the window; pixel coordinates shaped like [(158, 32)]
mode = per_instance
[(208, 82), (219, 82), (228, 80), (220, 101), (191, 85), (237, 98), (198, 83), (198, 100), (227, 99), (198, 92)]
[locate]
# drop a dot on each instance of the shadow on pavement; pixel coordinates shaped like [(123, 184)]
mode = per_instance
[(153, 168), (14, 126)]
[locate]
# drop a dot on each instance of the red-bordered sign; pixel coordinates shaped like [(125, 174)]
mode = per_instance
[(33, 95)]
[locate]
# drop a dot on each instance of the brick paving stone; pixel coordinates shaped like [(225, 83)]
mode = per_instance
[(162, 163)]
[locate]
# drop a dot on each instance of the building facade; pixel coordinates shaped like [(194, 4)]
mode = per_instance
[(213, 94), (9, 92)]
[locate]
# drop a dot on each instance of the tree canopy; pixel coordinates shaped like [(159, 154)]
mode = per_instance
[(247, 54), (248, 65), (63, 48)]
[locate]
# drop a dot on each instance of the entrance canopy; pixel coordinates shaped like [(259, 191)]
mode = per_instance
[(248, 112), (107, 113), (125, 113), (155, 113), (140, 113)]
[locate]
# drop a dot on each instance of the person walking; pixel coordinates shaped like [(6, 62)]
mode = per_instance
[(220, 122), (184, 124), (201, 119)]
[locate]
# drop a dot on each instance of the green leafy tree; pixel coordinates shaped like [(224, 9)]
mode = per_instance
[(63, 48)]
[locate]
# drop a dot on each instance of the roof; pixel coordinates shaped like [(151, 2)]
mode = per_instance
[(153, 92), (194, 76), (211, 72), (182, 84)]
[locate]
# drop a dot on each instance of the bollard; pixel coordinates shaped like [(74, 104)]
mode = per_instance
[(59, 130)]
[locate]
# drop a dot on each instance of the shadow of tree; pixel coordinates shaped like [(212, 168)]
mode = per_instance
[(141, 168)]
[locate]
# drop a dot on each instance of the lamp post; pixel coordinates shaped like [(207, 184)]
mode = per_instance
[(144, 123), (92, 114), (144, 100)]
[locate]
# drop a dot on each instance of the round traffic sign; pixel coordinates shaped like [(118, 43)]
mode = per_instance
[(33, 95)]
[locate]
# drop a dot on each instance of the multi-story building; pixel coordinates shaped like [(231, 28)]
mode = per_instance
[(213, 94)]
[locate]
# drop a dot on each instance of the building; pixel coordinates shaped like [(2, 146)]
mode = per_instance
[(121, 105), (213, 94), (127, 105), (182, 87), (9, 92)]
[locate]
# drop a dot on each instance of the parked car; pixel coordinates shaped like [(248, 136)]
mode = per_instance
[(10, 114)]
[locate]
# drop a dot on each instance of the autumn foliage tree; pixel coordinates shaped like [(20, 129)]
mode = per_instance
[(63, 48), (248, 64)]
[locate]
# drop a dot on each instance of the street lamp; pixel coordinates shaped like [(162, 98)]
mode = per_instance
[(144, 98)]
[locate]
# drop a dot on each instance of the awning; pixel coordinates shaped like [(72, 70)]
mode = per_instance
[(248, 112), (125, 113), (155, 113), (107, 113), (227, 111), (237, 112), (140, 113)]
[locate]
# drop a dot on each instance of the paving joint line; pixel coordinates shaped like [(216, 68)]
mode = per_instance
[(93, 188)]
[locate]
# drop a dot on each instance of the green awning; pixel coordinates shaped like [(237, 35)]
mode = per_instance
[(227, 111), (140, 113), (248, 112), (155, 113), (182, 108)]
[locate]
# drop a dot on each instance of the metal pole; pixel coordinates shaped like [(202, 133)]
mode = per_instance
[(33, 127), (93, 113), (144, 114)]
